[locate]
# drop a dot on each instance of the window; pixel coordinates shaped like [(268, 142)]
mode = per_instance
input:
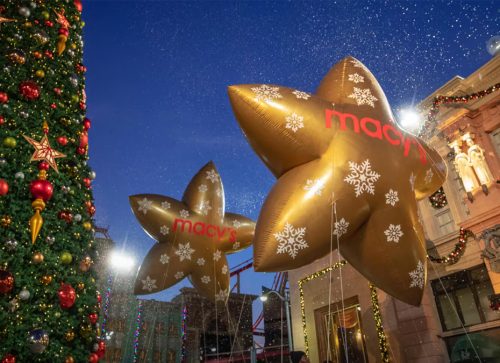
[(485, 347), (445, 222), (495, 139), (462, 298)]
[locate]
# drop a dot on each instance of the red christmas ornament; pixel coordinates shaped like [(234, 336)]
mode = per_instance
[(83, 106), (93, 358), (63, 31), (86, 124), (49, 54), (4, 187), (87, 182), (4, 97), (2, 120), (81, 151), (57, 91), (67, 296), (6, 282), (101, 348), (49, 23), (65, 216), (43, 165), (9, 358), (41, 189), (62, 140), (99, 297), (29, 90), (93, 318), (84, 139), (78, 5), (53, 106)]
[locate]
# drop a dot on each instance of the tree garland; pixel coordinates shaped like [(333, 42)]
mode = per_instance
[(439, 100), (455, 255)]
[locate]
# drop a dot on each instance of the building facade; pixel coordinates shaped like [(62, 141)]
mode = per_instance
[(332, 314)]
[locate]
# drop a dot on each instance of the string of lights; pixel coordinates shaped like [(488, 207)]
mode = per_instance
[(382, 339), (455, 255), (138, 323), (183, 333), (106, 307)]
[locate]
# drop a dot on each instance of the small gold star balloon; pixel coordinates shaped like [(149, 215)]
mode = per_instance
[(194, 235), (347, 176)]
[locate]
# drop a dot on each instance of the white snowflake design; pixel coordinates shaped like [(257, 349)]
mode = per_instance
[(363, 96), (202, 188), (205, 279), (200, 261), (205, 207), (184, 252), (266, 93), (218, 191), (220, 211), (165, 205), (217, 255), (356, 78), (428, 176), (179, 275), (417, 276), (212, 176), (224, 269), (340, 227), (236, 245), (291, 240), (315, 185), (301, 95), (294, 122), (362, 177), (145, 205), (391, 197), (221, 295), (164, 259), (236, 224), (393, 233), (356, 63), (412, 181), (184, 213), (149, 284), (164, 230)]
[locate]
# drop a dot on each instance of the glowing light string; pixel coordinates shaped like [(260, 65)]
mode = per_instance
[(137, 333)]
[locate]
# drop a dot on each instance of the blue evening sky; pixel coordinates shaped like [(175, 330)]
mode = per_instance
[(158, 72)]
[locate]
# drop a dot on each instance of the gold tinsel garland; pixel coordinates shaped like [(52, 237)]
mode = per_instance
[(382, 340)]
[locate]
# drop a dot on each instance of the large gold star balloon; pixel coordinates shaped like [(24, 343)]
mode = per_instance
[(347, 175), (194, 235)]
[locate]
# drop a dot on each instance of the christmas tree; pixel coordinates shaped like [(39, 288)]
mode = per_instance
[(48, 299)]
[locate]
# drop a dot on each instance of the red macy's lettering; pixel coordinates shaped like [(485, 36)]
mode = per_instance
[(373, 128), (201, 228)]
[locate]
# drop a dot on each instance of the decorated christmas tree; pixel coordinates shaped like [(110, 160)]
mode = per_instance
[(48, 299)]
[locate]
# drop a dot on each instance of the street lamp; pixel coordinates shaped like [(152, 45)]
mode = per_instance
[(286, 300), (121, 262)]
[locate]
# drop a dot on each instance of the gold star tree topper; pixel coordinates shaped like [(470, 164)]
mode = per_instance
[(347, 175), (44, 152), (194, 235)]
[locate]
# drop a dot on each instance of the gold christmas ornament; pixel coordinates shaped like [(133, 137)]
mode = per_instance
[(5, 221), (194, 235), (37, 258), (347, 175), (69, 335), (87, 225), (46, 280)]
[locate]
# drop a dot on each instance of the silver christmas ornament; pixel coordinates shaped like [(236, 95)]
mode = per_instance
[(77, 217), (92, 175), (24, 294), (19, 175), (11, 244), (24, 11)]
